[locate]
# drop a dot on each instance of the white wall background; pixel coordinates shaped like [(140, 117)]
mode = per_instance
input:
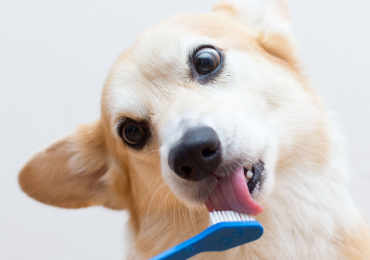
[(54, 57)]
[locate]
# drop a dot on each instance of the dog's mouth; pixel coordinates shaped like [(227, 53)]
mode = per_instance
[(234, 192), (254, 176)]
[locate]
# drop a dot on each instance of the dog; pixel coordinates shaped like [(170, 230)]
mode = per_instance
[(211, 112)]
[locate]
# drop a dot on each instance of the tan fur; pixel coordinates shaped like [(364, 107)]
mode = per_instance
[(355, 244), (94, 167), (274, 44), (50, 183)]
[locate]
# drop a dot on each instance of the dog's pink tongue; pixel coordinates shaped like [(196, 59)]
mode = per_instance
[(232, 193)]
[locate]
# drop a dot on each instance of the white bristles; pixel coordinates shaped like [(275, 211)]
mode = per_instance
[(220, 216), (245, 217), (217, 219), (212, 218), (228, 216), (232, 213), (224, 215)]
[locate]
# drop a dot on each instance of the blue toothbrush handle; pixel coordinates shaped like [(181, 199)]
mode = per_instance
[(218, 237)]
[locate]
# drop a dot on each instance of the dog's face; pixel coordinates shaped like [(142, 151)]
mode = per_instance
[(205, 106)]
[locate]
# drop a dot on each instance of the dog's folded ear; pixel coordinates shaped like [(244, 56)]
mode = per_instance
[(269, 19), (73, 172)]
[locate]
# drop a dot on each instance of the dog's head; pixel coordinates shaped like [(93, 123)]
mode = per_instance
[(203, 106)]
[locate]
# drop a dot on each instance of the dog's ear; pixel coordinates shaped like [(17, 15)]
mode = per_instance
[(73, 172), (268, 19)]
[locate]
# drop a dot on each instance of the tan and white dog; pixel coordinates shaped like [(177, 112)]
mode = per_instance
[(211, 111)]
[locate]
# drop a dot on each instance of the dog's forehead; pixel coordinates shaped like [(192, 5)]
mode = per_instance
[(157, 63)]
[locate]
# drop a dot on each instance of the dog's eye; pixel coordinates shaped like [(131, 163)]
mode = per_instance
[(132, 134), (206, 60)]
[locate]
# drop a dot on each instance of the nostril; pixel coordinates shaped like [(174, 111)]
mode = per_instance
[(208, 152), (186, 170)]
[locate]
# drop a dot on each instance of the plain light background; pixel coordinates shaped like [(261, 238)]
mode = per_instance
[(54, 58)]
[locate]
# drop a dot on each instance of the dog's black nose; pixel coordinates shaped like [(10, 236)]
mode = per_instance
[(196, 155)]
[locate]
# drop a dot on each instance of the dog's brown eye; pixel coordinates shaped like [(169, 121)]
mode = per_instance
[(206, 60), (132, 133)]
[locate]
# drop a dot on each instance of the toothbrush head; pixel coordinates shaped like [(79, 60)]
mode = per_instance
[(228, 216), (227, 229)]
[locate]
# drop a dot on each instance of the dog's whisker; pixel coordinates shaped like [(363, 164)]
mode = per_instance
[(147, 214), (192, 221), (164, 209), (174, 221), (193, 229), (181, 220), (306, 149), (298, 151), (277, 166), (294, 144), (281, 156), (158, 150), (185, 217), (159, 209), (150, 191)]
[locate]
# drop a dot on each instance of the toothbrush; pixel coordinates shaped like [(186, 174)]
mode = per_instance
[(227, 229)]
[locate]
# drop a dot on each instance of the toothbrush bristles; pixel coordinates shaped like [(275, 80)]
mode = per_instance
[(228, 216)]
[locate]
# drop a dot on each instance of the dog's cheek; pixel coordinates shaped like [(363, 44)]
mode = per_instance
[(270, 156)]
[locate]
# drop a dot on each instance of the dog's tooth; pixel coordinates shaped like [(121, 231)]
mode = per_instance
[(249, 174)]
